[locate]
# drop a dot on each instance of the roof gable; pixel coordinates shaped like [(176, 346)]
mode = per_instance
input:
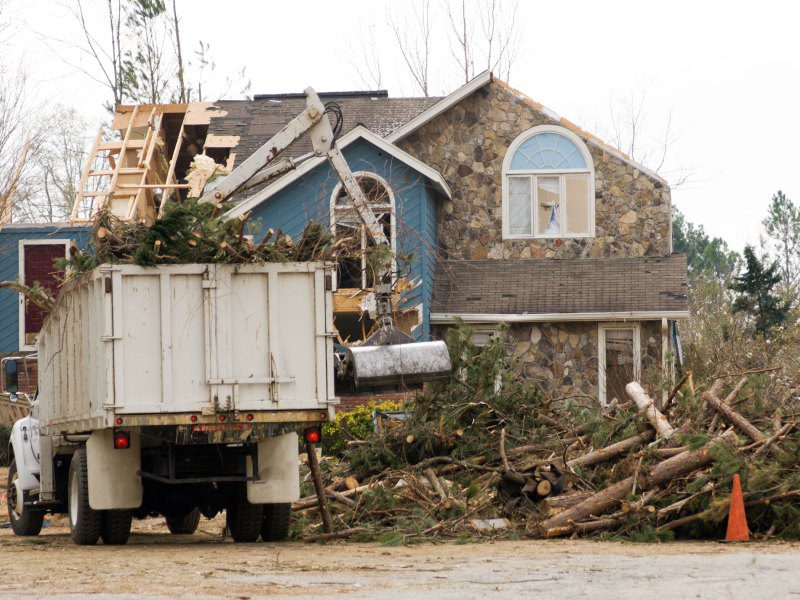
[(357, 133), (485, 79)]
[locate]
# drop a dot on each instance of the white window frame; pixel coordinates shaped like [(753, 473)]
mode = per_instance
[(534, 173), (601, 354), (21, 276), (392, 220)]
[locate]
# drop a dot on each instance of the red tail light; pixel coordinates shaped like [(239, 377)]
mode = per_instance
[(313, 435), (122, 439)]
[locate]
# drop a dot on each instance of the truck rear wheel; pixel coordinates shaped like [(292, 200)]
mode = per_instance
[(185, 524), (244, 519), (276, 521), (115, 528), (84, 522), (29, 521)]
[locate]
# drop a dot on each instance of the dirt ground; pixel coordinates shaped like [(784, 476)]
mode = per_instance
[(157, 565)]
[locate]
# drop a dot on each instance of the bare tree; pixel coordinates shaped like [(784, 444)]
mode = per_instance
[(59, 163), (487, 33), (182, 95), (461, 28), (414, 37), (365, 57), (502, 36), (20, 138), (104, 49), (632, 130)]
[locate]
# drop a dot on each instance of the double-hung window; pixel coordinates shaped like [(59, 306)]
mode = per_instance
[(548, 186)]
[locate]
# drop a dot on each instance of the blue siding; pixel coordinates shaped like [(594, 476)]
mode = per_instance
[(10, 237), (415, 208)]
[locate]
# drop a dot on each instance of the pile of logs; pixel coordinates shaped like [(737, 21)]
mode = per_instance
[(660, 478)]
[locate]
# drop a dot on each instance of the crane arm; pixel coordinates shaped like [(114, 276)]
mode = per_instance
[(313, 121)]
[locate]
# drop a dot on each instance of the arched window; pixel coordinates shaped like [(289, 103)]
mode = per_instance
[(548, 186), (353, 269)]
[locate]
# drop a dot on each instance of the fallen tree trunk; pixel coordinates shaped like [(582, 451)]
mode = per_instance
[(605, 500), (730, 414), (312, 501), (335, 535), (553, 505), (648, 407), (609, 452)]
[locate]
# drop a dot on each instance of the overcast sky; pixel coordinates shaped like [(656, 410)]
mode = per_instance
[(726, 72)]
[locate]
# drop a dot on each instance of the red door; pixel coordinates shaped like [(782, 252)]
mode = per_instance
[(38, 264)]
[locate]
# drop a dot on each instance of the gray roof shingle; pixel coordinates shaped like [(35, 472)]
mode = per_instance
[(546, 286), (255, 121)]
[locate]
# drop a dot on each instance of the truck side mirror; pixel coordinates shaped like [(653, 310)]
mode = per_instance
[(12, 377)]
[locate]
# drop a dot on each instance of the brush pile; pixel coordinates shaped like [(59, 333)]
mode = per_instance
[(190, 232), (484, 455)]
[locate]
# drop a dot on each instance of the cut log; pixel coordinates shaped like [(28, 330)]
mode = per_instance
[(609, 452), (435, 484), (553, 505), (312, 501), (648, 407), (605, 500), (742, 424), (543, 488), (336, 535), (341, 498)]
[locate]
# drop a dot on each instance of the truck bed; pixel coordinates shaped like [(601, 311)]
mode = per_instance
[(160, 345)]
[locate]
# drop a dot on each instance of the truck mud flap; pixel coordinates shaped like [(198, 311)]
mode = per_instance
[(278, 478), (113, 480)]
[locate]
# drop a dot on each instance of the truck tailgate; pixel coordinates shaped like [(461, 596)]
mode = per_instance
[(189, 338)]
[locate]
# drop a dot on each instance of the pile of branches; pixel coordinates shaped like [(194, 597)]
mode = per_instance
[(190, 232), (485, 455)]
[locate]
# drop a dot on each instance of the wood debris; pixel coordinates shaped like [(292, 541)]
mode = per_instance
[(476, 460)]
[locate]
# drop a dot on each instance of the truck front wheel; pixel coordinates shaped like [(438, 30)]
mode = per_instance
[(244, 519), (186, 524), (275, 526), (27, 522), (84, 522)]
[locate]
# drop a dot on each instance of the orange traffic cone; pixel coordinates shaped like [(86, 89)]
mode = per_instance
[(737, 520)]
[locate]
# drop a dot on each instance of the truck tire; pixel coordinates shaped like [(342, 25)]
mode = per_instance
[(84, 522), (185, 524), (244, 519), (275, 525), (115, 528), (30, 521)]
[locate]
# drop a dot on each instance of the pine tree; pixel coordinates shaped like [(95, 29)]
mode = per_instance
[(756, 297)]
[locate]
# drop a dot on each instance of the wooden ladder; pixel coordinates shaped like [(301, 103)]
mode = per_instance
[(120, 164)]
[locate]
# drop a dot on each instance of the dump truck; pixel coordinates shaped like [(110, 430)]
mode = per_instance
[(180, 389), (176, 390)]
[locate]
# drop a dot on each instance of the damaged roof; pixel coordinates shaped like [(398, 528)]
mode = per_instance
[(255, 121), (561, 289)]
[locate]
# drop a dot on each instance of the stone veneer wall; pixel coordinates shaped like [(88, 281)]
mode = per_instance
[(562, 357), (467, 144)]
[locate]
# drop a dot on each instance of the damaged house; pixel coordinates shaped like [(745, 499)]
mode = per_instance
[(497, 209)]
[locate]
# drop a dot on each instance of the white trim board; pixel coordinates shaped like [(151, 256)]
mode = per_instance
[(558, 317), (442, 105), (483, 79), (358, 132)]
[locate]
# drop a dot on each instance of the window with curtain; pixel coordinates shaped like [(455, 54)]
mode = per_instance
[(548, 186)]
